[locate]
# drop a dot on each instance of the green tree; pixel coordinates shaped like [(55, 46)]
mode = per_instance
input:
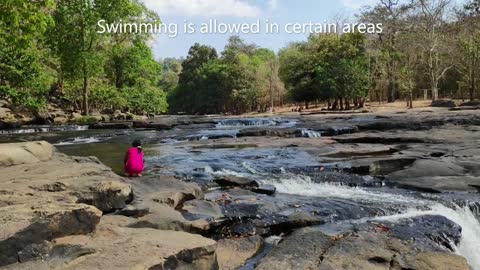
[(24, 77), (189, 94), (77, 41), (392, 14), (326, 67), (171, 74)]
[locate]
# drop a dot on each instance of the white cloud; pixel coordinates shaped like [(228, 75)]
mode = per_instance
[(355, 4), (206, 8), (273, 4)]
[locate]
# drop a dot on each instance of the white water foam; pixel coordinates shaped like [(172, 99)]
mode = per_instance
[(303, 185), (42, 129), (244, 122), (469, 246), (308, 133), (81, 140)]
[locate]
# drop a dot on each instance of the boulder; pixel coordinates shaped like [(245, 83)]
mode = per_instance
[(432, 233), (22, 227), (42, 118), (302, 250), (112, 247), (202, 209), (163, 217), (116, 125), (303, 219), (5, 113), (432, 261), (446, 103), (233, 253), (106, 195), (25, 153), (151, 191), (118, 115), (235, 181), (106, 117), (264, 189), (273, 132), (309, 248), (435, 176), (60, 120), (75, 116), (53, 196), (3, 103), (426, 167), (129, 116), (473, 103)]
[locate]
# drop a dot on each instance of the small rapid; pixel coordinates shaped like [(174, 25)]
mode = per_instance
[(469, 246), (258, 121), (303, 185), (43, 129)]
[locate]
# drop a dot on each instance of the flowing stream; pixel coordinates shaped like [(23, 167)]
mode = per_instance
[(469, 246), (286, 169)]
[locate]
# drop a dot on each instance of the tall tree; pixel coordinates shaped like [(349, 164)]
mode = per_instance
[(432, 33), (326, 67), (392, 14), (198, 68), (25, 76), (77, 41), (468, 45)]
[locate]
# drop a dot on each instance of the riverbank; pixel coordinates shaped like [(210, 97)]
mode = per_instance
[(57, 116), (369, 190)]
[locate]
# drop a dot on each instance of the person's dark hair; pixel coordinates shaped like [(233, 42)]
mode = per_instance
[(138, 144)]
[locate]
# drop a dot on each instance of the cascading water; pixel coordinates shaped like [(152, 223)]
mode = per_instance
[(243, 122), (43, 129), (83, 140), (469, 246), (308, 133)]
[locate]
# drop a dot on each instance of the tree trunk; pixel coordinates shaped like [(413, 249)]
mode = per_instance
[(472, 86), (434, 93), (85, 109), (391, 83), (335, 105), (411, 100)]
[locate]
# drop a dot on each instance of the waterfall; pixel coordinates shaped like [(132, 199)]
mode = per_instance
[(469, 246), (243, 122), (308, 133)]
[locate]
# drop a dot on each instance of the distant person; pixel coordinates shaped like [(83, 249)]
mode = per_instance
[(134, 164)]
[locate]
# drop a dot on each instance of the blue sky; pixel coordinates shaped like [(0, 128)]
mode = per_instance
[(244, 11)]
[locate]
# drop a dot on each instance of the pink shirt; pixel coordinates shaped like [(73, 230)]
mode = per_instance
[(134, 163)]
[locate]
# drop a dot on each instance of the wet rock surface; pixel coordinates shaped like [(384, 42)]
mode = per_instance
[(312, 249), (233, 253), (389, 191), (52, 216)]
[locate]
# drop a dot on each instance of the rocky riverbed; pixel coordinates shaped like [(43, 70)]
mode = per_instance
[(317, 191)]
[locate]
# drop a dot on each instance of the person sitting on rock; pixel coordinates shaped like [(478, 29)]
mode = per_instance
[(134, 164)]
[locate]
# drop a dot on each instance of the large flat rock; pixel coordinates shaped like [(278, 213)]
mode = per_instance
[(25, 153), (114, 247), (45, 195), (309, 248)]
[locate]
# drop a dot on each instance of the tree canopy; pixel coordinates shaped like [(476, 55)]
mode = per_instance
[(52, 52)]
